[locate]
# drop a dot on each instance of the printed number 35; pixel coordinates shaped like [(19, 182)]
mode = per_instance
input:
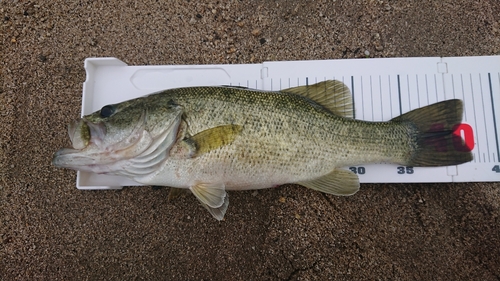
[(405, 170)]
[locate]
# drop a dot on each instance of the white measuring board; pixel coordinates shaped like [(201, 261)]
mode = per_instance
[(382, 89)]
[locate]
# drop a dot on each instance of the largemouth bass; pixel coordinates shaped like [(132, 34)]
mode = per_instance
[(213, 139)]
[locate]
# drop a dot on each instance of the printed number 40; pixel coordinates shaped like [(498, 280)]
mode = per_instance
[(405, 170), (496, 169)]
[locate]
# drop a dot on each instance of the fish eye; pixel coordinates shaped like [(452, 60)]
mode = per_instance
[(107, 111), (171, 104)]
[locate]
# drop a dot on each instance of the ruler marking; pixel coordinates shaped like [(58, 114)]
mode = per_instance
[(444, 86), (408, 84), (390, 95), (418, 91), (435, 88), (453, 85), (463, 95), (362, 99), (484, 118), (427, 88), (352, 93), (399, 94), (381, 98), (475, 117), (493, 111), (371, 95), (343, 82)]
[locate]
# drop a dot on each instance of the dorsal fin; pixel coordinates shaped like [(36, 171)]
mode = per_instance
[(331, 94)]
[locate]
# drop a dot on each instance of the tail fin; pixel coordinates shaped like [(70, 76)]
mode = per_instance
[(436, 142)]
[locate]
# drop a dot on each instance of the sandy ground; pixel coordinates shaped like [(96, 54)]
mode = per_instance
[(52, 231)]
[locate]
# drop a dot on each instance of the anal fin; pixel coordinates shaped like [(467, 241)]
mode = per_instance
[(213, 197), (339, 182)]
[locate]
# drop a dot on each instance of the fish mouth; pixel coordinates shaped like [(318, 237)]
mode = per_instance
[(137, 154), (82, 132)]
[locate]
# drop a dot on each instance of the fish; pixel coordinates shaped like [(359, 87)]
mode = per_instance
[(211, 139)]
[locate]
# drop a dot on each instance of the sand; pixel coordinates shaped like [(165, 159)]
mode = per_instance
[(51, 231)]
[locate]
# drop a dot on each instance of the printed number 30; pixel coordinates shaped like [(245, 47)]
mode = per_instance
[(405, 170), (358, 170)]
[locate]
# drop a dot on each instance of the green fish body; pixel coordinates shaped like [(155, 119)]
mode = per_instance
[(213, 139)]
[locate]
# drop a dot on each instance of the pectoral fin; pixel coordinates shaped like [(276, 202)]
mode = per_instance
[(206, 141), (213, 197), (218, 213), (339, 182)]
